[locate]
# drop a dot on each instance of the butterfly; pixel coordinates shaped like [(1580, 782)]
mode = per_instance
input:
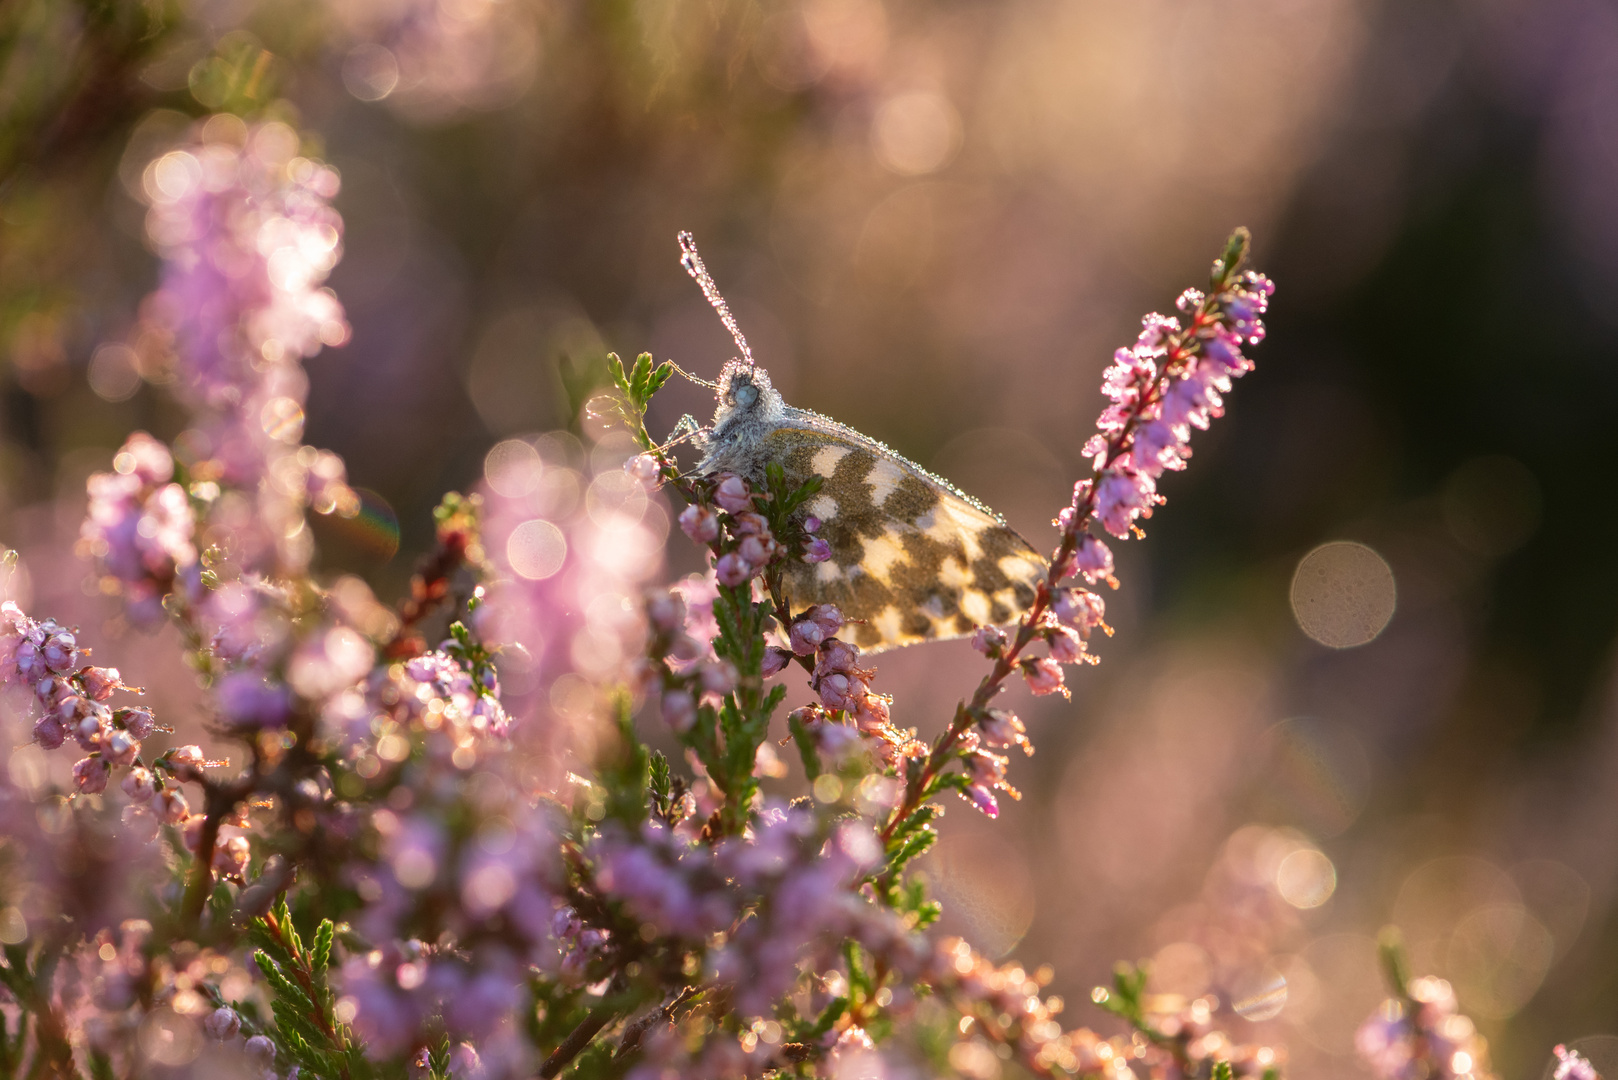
[(913, 557)]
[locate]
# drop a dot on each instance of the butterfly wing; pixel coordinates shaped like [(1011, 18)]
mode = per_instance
[(913, 557)]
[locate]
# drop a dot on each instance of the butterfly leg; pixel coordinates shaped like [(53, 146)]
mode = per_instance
[(686, 429)]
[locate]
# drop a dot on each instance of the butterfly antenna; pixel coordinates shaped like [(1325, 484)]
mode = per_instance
[(688, 377), (693, 266)]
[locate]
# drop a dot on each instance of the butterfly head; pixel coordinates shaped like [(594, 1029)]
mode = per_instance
[(745, 397)]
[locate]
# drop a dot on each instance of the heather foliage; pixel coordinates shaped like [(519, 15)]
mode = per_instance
[(462, 859), (409, 869)]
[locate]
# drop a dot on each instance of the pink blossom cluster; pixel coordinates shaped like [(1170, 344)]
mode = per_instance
[(570, 548), (247, 236), (1423, 1034), (1572, 1065), (71, 700), (686, 671), (1170, 381), (141, 528), (436, 695), (459, 877)]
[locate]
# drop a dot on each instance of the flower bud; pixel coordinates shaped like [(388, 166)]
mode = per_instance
[(719, 677), (775, 661), (700, 523), (170, 806), (732, 569), (1065, 644), (230, 857), (816, 625), (1079, 608), (137, 720), (644, 468), (49, 733), (139, 785), (261, 1051), (121, 748), (100, 682), (60, 651), (733, 495), (754, 550), (222, 1023), (1044, 675), (679, 710), (989, 640), (90, 775)]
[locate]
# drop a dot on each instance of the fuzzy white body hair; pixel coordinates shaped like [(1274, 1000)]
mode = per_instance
[(749, 409)]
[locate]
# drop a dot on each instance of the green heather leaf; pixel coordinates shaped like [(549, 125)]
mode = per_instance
[(834, 1010), (806, 747), (322, 951)]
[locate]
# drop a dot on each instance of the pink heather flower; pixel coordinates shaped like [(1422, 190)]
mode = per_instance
[(1066, 646), (222, 1023), (48, 732), (665, 611), (733, 570), (120, 748), (60, 651), (139, 785), (230, 856), (837, 655), (1002, 729), (100, 682), (247, 237), (816, 550), (1224, 349), (700, 523), (679, 710), (187, 761), (839, 692), (91, 732), (1044, 675), (137, 720), (248, 700), (1093, 558), (983, 799), (775, 661), (1386, 1042), (733, 495), (814, 626), (170, 806), (26, 661), (989, 640), (260, 1051), (756, 550), (1079, 608), (1572, 1065), (718, 677), (644, 468), (852, 1040), (1158, 446), (811, 524), (90, 775), (871, 712), (1122, 497), (752, 523)]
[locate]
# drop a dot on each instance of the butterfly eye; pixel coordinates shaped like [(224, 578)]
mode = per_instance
[(746, 395)]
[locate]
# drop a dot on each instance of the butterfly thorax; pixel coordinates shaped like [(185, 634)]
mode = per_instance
[(749, 409)]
